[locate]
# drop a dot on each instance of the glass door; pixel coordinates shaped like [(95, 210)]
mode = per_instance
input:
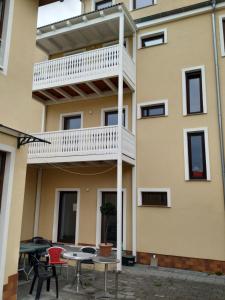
[(67, 217), (112, 227)]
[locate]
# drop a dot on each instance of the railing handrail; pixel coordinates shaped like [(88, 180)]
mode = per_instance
[(75, 55), (72, 130)]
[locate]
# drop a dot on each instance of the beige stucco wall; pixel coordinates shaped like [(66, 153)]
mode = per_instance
[(20, 112), (91, 111), (194, 226), (55, 179)]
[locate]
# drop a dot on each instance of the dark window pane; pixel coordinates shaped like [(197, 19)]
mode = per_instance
[(224, 32), (72, 122), (2, 11), (152, 40), (67, 217), (194, 92), (111, 118), (153, 111), (154, 198), (103, 4), (196, 154), (2, 172), (142, 3)]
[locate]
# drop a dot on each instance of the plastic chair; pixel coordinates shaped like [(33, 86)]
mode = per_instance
[(54, 257), (43, 272), (88, 250)]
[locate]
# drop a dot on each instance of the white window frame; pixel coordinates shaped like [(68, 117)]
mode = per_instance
[(152, 33), (222, 35), (152, 103), (131, 5), (94, 1), (184, 89), (5, 208), (99, 216), (108, 109), (167, 190), (6, 35), (186, 158), (71, 114), (56, 213)]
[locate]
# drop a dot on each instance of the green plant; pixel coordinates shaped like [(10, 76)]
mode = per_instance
[(107, 210)]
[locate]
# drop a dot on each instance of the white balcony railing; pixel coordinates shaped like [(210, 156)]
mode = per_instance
[(85, 66), (76, 68), (81, 142)]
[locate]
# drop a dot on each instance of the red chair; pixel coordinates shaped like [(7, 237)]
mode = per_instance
[(54, 255)]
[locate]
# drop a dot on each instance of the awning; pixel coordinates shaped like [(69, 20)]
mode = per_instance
[(22, 138)]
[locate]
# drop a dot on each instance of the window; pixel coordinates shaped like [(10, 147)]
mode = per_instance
[(194, 91), (2, 13), (222, 34), (103, 4), (151, 39), (6, 17), (196, 155), (72, 122), (152, 109), (142, 3), (110, 117), (2, 173), (154, 197)]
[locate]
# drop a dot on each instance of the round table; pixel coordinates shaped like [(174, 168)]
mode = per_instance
[(106, 261), (78, 257)]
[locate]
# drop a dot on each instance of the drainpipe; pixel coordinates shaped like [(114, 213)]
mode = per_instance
[(218, 93)]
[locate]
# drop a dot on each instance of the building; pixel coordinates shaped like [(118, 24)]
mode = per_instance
[(18, 116), (134, 103)]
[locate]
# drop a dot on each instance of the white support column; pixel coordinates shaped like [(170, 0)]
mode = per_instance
[(134, 171), (119, 159), (37, 201), (43, 119)]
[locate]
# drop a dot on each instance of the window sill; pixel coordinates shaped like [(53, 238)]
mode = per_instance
[(195, 114), (140, 48), (156, 206), (198, 180), (153, 117)]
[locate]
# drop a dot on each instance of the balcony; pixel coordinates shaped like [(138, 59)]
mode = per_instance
[(89, 74), (89, 144)]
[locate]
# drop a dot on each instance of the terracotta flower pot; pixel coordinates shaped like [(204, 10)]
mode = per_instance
[(105, 249)]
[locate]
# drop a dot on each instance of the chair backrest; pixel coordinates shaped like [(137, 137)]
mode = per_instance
[(55, 254), (41, 240), (88, 250)]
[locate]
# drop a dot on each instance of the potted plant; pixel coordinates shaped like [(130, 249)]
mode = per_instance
[(107, 210)]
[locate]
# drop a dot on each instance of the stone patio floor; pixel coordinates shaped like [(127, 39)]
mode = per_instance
[(139, 282)]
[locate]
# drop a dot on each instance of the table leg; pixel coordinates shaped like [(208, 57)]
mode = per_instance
[(105, 278), (78, 275)]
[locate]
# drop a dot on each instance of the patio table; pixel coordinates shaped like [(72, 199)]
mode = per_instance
[(78, 257), (29, 248), (106, 261)]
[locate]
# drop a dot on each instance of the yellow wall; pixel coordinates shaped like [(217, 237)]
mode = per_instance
[(55, 179), (91, 111), (20, 112)]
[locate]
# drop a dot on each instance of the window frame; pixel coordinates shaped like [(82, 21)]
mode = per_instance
[(72, 114), (6, 36), (185, 91), (149, 190), (106, 110), (187, 174), (222, 34), (152, 103), (132, 6), (152, 34)]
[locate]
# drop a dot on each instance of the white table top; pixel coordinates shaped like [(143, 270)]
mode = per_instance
[(105, 260), (78, 255)]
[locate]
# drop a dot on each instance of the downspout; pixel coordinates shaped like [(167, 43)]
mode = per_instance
[(218, 93)]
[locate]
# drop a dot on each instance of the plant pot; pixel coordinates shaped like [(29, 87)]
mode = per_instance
[(106, 249)]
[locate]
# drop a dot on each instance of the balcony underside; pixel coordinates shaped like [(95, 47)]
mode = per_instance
[(84, 90)]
